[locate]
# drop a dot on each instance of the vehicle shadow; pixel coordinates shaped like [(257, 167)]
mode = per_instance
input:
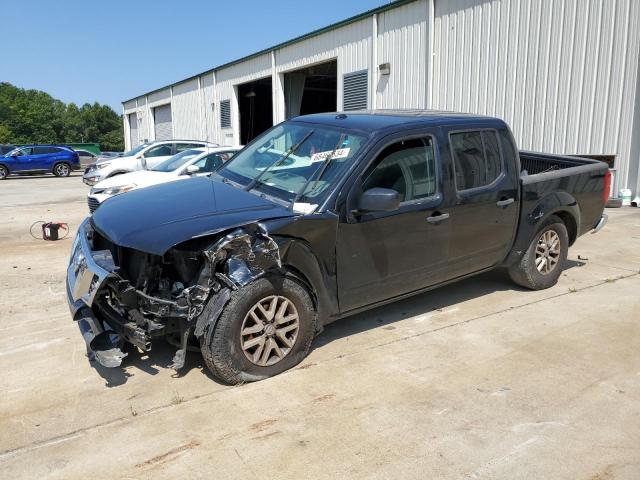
[(16, 176), (161, 357), (434, 300)]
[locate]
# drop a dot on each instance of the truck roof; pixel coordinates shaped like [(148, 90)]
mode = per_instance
[(388, 119)]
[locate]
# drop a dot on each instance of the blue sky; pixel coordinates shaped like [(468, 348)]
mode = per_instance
[(107, 51)]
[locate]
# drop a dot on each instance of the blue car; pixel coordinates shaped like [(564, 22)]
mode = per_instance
[(57, 159)]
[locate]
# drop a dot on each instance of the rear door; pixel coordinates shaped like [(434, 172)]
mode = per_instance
[(381, 255), (486, 187), (157, 154)]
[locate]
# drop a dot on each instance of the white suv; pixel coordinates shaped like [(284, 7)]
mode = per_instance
[(142, 157)]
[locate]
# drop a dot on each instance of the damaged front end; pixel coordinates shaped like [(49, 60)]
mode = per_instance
[(119, 294)]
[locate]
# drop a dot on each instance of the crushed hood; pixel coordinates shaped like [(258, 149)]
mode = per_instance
[(156, 218)]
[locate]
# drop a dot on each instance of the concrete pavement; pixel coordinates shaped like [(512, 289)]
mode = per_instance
[(479, 379)]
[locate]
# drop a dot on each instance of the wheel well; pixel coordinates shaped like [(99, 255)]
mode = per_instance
[(302, 278), (59, 162), (569, 222)]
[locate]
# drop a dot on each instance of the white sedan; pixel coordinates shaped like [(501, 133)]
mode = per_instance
[(195, 161)]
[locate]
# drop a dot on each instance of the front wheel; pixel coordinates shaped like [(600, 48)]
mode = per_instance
[(266, 328), (4, 173), (62, 170), (542, 263)]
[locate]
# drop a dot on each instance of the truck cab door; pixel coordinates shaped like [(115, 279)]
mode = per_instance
[(384, 254), (486, 187)]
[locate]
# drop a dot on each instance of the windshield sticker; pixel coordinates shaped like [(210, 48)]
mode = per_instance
[(322, 156), (302, 207)]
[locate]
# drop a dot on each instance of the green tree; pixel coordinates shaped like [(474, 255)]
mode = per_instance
[(33, 116), (5, 134)]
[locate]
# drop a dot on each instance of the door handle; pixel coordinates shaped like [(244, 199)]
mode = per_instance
[(437, 218), (505, 202)]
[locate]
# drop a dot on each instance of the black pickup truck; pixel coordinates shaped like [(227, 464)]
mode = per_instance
[(321, 217)]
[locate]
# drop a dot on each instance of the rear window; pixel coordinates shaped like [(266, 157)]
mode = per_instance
[(476, 157)]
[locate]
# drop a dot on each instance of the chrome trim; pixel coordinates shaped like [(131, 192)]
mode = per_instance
[(84, 275), (601, 223)]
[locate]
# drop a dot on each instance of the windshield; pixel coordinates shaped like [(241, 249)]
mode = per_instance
[(178, 160), (294, 161), (135, 150)]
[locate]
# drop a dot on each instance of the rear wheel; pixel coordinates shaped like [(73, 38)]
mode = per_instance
[(4, 172), (542, 263), (266, 328), (62, 170)]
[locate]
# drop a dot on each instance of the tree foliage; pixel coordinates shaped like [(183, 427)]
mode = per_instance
[(33, 116)]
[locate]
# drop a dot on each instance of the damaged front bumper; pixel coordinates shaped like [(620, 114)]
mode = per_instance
[(109, 309)]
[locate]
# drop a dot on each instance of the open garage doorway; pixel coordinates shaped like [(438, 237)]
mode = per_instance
[(312, 89), (256, 108)]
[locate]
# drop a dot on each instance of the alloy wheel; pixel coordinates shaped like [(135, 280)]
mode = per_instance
[(547, 252), (269, 331), (62, 170)]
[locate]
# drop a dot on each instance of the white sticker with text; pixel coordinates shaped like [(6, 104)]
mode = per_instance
[(322, 156)]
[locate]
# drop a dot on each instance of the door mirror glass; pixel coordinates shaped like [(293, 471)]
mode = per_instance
[(191, 169), (379, 200)]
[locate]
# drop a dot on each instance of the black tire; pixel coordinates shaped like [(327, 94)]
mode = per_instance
[(221, 344), (526, 274), (4, 172), (62, 169)]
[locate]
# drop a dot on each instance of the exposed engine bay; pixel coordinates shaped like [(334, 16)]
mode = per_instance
[(146, 296)]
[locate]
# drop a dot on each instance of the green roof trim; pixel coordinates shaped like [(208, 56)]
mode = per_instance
[(320, 31)]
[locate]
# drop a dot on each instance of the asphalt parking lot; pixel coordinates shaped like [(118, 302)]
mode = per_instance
[(479, 379)]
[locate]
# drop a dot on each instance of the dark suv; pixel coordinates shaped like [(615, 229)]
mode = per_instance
[(57, 159)]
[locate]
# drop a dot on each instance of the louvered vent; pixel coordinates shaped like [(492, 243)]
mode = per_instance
[(355, 90), (225, 114)]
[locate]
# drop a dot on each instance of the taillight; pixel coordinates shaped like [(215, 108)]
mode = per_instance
[(607, 185)]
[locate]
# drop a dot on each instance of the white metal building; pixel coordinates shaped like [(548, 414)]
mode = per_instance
[(563, 73)]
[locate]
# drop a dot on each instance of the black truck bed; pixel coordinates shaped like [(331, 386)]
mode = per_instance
[(550, 180)]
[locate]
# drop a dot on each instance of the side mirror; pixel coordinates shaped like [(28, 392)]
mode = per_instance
[(143, 162), (379, 200), (191, 169)]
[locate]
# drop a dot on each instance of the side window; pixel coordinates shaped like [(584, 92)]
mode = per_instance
[(25, 151), (181, 147), (159, 151), (40, 150), (476, 158), (408, 167)]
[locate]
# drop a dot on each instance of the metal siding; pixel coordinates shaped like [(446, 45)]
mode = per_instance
[(208, 107), (185, 105), (129, 106), (350, 45), (160, 97), (402, 41), (561, 72)]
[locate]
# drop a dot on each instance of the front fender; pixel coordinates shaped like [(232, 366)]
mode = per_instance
[(299, 259)]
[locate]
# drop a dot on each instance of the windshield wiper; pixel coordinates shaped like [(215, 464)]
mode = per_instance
[(320, 171), (252, 184)]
